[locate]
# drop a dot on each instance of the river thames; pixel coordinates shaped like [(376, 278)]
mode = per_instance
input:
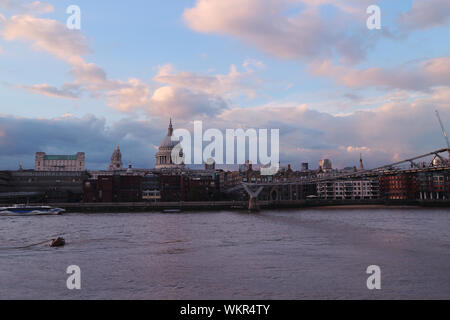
[(289, 254)]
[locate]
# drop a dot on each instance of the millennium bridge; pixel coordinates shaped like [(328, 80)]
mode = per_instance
[(439, 162)]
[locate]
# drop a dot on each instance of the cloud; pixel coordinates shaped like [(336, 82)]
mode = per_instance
[(87, 72), (129, 96), (352, 149), (181, 94), (401, 128), (414, 76), (170, 101), (45, 35), (356, 7), (35, 8), (230, 85), (425, 15), (300, 30), (307, 34), (70, 46), (21, 138), (394, 130), (67, 92)]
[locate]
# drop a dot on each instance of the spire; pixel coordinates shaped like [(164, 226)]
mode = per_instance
[(361, 164), (116, 159), (170, 128)]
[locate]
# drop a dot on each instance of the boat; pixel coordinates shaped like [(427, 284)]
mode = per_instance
[(58, 242), (26, 210), (172, 211)]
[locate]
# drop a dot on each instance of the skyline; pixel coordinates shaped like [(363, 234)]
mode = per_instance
[(307, 67)]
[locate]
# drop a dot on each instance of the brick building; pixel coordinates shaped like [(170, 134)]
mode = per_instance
[(401, 186), (114, 188), (433, 185), (192, 186)]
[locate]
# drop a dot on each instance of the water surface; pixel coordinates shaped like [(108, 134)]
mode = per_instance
[(292, 254)]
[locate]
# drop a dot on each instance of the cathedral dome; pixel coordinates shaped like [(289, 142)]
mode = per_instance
[(168, 143), (164, 158)]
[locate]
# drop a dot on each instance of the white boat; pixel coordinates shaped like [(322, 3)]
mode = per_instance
[(172, 211), (26, 210)]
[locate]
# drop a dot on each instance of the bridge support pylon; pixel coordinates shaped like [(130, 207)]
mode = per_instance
[(253, 205), (253, 201)]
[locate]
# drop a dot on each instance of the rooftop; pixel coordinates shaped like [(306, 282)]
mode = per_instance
[(69, 157)]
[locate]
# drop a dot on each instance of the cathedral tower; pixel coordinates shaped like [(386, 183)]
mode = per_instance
[(116, 160)]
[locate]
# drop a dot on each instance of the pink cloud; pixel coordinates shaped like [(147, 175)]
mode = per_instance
[(426, 15), (35, 7), (420, 76), (129, 96), (262, 23), (45, 35), (190, 93), (50, 91), (235, 83)]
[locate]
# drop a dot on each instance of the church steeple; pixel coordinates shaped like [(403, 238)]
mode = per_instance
[(116, 159), (170, 133)]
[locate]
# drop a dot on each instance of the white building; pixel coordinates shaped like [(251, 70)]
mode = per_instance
[(348, 189), (44, 162)]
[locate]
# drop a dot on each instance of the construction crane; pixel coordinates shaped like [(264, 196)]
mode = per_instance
[(444, 132)]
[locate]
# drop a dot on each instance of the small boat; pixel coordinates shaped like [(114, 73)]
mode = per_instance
[(26, 210), (58, 242), (172, 211)]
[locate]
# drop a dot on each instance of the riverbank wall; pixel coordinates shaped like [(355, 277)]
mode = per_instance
[(242, 205)]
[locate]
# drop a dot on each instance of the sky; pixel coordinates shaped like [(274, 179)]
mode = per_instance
[(310, 68)]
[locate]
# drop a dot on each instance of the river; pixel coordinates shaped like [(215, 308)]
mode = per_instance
[(288, 254)]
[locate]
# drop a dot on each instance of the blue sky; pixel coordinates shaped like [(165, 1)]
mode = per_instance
[(310, 66)]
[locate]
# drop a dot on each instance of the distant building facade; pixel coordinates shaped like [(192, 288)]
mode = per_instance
[(348, 189), (5, 178), (47, 186), (402, 186), (151, 188), (305, 167), (325, 165), (434, 185), (190, 186), (115, 188), (61, 163)]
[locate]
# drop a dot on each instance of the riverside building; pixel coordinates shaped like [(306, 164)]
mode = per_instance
[(348, 189), (63, 163)]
